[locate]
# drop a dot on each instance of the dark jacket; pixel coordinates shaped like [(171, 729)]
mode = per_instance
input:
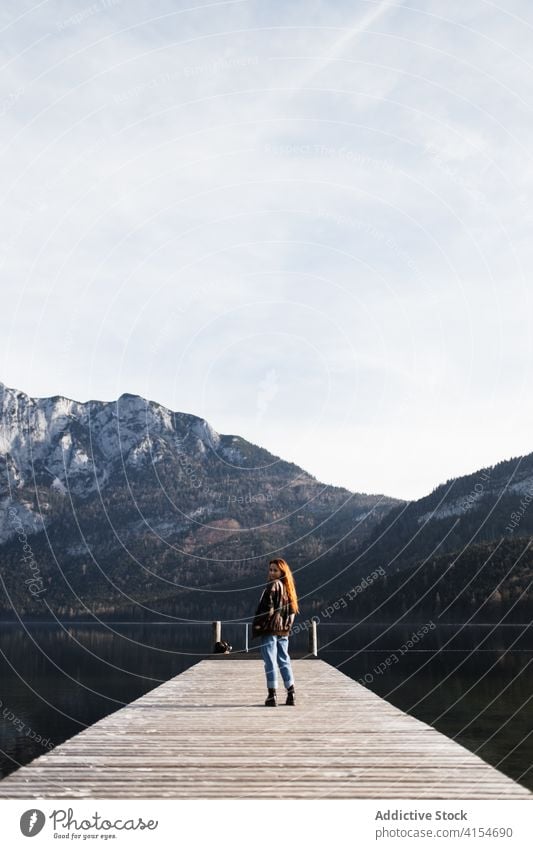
[(273, 611)]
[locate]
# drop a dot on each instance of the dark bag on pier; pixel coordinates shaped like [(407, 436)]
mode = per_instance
[(222, 647)]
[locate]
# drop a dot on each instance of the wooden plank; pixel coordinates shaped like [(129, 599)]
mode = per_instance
[(207, 734)]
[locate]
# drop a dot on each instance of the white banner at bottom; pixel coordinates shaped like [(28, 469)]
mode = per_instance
[(244, 824)]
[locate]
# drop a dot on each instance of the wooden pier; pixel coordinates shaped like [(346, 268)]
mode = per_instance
[(207, 734)]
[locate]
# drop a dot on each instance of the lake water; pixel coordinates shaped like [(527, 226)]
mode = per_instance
[(474, 683)]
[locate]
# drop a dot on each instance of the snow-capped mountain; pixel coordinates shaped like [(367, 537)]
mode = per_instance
[(116, 488), (77, 446), (76, 449)]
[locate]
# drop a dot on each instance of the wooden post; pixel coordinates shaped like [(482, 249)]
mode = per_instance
[(217, 632), (313, 640)]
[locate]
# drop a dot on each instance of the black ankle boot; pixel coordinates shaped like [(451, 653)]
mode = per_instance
[(290, 696), (271, 700)]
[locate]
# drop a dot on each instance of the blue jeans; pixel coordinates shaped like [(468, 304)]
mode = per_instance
[(275, 651)]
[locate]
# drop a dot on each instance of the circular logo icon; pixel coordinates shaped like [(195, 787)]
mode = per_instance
[(31, 822)]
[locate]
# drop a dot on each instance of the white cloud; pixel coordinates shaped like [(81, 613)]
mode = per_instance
[(180, 186)]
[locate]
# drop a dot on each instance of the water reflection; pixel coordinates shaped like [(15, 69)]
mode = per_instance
[(474, 684)]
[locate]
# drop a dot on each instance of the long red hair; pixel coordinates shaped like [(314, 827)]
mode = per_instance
[(288, 580)]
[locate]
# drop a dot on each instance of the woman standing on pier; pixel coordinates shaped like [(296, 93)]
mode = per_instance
[(272, 623)]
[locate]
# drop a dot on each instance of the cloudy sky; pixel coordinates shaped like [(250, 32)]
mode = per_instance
[(308, 222)]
